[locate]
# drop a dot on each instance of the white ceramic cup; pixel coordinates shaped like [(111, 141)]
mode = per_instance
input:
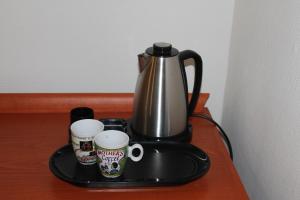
[(83, 133), (112, 151)]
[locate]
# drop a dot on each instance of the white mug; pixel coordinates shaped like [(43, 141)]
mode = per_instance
[(112, 151), (83, 133)]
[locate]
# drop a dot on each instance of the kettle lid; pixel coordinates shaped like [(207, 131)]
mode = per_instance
[(162, 49)]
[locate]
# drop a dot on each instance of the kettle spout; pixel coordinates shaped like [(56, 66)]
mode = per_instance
[(142, 61)]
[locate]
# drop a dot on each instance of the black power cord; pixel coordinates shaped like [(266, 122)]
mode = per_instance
[(221, 131)]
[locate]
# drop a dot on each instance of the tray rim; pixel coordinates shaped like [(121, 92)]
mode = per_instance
[(110, 183)]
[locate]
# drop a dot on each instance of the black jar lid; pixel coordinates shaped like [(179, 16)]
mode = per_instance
[(162, 49), (81, 113)]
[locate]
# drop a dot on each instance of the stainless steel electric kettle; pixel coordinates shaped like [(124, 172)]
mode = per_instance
[(161, 108)]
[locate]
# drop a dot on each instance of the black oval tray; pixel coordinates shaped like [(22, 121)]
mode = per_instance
[(163, 163)]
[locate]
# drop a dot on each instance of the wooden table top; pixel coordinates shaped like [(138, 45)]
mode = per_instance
[(29, 139)]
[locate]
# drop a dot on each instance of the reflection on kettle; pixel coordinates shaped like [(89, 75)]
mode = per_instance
[(161, 108)]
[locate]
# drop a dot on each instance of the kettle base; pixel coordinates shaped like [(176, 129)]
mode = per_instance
[(124, 125), (185, 136)]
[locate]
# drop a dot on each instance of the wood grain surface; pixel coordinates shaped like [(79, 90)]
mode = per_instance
[(29, 139), (63, 102)]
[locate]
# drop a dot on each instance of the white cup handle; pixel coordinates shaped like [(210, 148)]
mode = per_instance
[(135, 158)]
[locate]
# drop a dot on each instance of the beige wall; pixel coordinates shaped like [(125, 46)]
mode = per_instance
[(91, 45), (262, 101)]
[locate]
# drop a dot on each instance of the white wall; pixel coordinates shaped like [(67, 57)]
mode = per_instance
[(262, 98), (91, 45)]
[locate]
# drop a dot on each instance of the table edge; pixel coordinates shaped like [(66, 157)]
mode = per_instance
[(64, 102)]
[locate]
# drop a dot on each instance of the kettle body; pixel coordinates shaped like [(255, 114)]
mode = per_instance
[(161, 108)]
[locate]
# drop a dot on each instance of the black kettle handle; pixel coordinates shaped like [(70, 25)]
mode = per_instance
[(184, 55)]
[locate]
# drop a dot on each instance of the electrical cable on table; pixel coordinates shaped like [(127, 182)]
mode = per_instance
[(220, 129)]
